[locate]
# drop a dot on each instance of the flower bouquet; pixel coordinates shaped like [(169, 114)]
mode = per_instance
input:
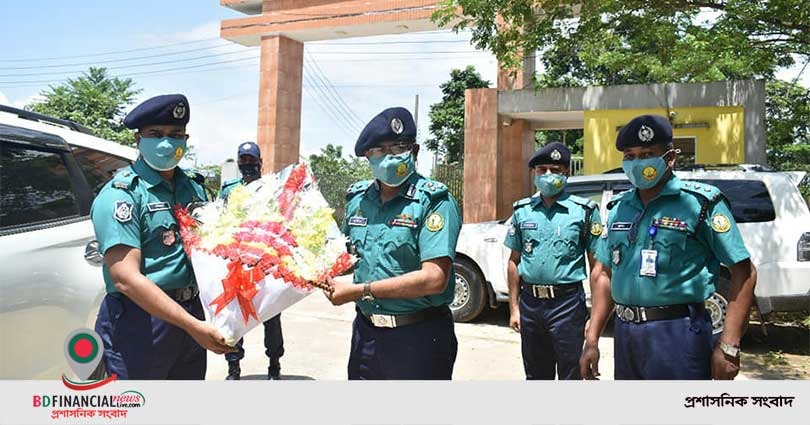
[(263, 250)]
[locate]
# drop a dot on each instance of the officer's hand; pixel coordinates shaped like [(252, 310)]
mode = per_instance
[(344, 292), (589, 362), (514, 321), (209, 338), (724, 367)]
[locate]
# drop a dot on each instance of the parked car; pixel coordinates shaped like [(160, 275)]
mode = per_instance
[(773, 219), (50, 172)]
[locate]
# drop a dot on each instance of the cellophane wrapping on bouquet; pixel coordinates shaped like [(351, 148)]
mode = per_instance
[(268, 247)]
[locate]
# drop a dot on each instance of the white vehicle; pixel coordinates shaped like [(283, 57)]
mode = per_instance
[(773, 219), (50, 281)]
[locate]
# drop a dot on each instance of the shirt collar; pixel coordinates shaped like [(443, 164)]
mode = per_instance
[(562, 201), (407, 189), (671, 187), (152, 177)]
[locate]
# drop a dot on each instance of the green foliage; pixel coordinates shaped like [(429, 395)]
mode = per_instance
[(335, 174), (573, 139), (788, 112), (95, 100), (601, 42), (447, 116)]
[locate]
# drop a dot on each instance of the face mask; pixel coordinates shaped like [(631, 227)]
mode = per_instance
[(162, 154), (645, 173), (392, 170), (250, 170), (550, 184)]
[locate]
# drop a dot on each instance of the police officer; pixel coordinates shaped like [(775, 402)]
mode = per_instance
[(404, 228), (551, 234), (249, 160), (665, 242), (151, 321)]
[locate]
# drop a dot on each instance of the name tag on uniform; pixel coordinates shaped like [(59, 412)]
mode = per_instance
[(621, 226), (158, 206), (649, 262), (358, 221), (528, 225)]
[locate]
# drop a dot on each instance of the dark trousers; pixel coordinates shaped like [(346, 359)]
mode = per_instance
[(273, 342), (664, 349), (423, 350), (552, 333), (140, 346)]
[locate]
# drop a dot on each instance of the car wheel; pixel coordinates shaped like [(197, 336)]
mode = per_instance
[(470, 295), (717, 304)]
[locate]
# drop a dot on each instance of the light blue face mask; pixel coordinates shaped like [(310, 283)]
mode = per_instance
[(392, 170), (550, 184), (163, 153), (645, 173)]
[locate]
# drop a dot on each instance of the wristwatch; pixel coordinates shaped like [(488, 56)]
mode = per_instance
[(730, 350), (367, 295)]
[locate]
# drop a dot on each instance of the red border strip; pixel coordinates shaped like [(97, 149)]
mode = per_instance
[(87, 386)]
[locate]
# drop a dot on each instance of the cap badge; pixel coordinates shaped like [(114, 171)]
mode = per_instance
[(396, 126), (246, 146), (555, 155), (179, 111), (645, 134)]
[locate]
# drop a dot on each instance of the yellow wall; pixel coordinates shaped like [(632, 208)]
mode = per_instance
[(721, 143)]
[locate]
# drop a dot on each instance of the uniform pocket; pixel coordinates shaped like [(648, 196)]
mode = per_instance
[(401, 248), (670, 245)]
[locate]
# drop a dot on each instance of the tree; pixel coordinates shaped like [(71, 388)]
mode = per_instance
[(447, 116), (638, 41), (95, 100), (330, 164), (788, 113)]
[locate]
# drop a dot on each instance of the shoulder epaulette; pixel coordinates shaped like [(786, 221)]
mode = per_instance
[(702, 190), (585, 202), (519, 203), (196, 177), (618, 197), (358, 187), (432, 188), (124, 179)]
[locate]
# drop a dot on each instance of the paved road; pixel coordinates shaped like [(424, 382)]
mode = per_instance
[(316, 341)]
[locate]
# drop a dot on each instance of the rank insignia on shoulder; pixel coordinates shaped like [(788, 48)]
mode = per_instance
[(120, 185), (122, 211), (434, 222), (721, 223), (596, 228)]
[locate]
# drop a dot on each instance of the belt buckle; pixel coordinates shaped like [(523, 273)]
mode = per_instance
[(184, 294), (383, 320), (543, 292), (626, 313)]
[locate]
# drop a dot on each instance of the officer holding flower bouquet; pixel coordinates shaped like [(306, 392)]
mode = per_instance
[(403, 227), (151, 321)]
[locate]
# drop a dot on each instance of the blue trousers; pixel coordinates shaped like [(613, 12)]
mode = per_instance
[(665, 349), (552, 332), (424, 350), (273, 341), (140, 346)]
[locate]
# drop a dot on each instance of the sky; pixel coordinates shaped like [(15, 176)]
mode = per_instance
[(174, 47), (346, 82)]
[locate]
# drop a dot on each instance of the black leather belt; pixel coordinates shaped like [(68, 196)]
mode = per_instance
[(648, 314), (399, 320), (180, 295), (549, 291)]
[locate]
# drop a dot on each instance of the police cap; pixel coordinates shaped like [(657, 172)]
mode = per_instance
[(167, 109), (644, 130), (552, 153), (390, 125)]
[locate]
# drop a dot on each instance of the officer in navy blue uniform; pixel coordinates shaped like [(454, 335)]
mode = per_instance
[(404, 228), (551, 235), (249, 160), (151, 322), (664, 245)]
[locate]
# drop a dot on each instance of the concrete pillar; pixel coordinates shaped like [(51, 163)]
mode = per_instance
[(280, 77), (495, 158)]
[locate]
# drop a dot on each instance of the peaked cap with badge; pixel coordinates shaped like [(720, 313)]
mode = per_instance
[(644, 130), (167, 109), (391, 125), (552, 153)]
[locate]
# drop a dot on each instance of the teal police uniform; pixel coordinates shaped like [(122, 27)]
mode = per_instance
[(228, 186), (135, 209), (410, 338), (664, 259), (553, 243)]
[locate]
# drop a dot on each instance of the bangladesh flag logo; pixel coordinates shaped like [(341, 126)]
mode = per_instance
[(83, 351)]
